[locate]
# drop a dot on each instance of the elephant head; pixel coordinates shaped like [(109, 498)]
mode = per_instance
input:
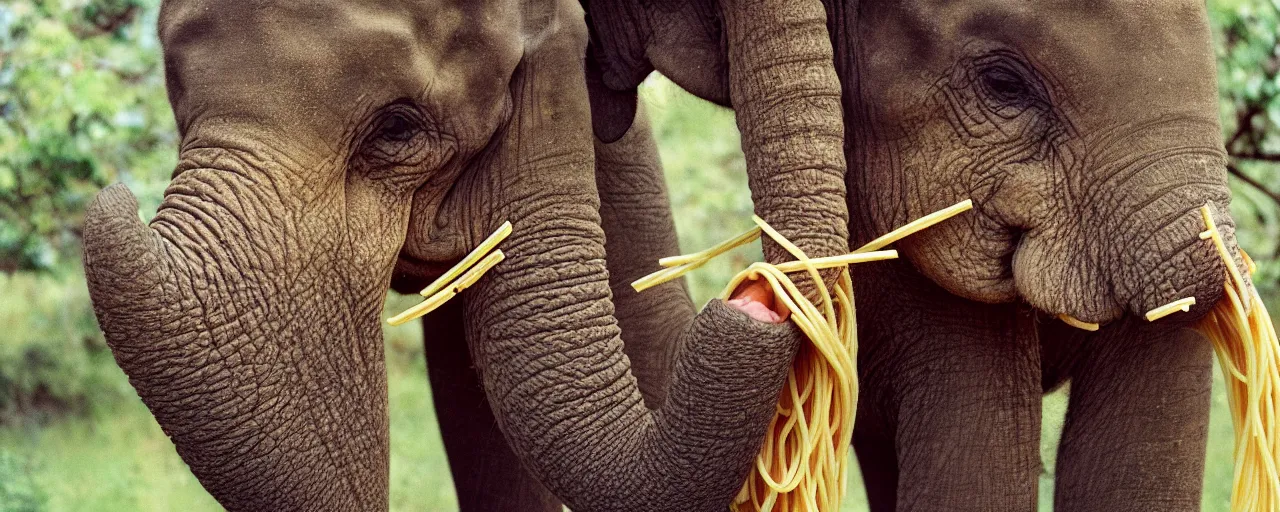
[(327, 145), (1085, 132)]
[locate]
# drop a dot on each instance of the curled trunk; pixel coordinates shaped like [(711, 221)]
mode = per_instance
[(547, 346), (1132, 248), (233, 350)]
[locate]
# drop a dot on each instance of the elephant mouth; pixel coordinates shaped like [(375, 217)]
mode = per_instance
[(412, 274), (1147, 265)]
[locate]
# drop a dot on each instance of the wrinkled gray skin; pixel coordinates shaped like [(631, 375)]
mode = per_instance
[(1086, 133), (330, 148)]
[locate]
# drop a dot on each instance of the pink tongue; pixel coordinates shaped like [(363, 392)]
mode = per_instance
[(755, 310)]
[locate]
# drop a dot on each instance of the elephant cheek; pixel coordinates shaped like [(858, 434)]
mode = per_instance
[(969, 261)]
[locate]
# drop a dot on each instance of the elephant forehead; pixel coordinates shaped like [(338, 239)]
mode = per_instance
[(1117, 49), (1114, 56), (309, 64)]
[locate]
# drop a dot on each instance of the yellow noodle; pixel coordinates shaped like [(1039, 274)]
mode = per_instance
[(462, 275), (1077, 323), (803, 464), (704, 255), (475, 255), (685, 265), (917, 225), (1184, 305), (435, 301), (838, 261), (1244, 339)]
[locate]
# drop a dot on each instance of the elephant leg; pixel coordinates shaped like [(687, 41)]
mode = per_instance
[(879, 464), (958, 385), (487, 475), (1137, 422)]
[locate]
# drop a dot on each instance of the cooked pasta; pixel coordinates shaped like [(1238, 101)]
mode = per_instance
[(1077, 323), (1244, 339), (459, 277), (803, 464), (1183, 305)]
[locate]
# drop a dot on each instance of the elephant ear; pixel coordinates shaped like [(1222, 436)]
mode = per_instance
[(683, 39), (612, 110), (782, 84)]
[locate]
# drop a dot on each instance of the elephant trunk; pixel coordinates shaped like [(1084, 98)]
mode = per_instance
[(1134, 245), (784, 89), (236, 353), (546, 344), (1161, 257)]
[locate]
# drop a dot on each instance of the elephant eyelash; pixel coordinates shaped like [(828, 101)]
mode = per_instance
[(399, 135), (1005, 82)]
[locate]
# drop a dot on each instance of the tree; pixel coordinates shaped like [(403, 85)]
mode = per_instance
[(82, 105), (1249, 89)]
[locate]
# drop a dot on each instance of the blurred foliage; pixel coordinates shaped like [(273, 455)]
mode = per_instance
[(53, 359), (1249, 90), (82, 105), (18, 490)]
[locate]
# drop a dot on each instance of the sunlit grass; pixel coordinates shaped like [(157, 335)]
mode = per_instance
[(118, 458), (118, 461)]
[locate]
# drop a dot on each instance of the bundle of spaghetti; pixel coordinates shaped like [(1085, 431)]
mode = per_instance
[(1249, 354), (803, 464), (462, 275)]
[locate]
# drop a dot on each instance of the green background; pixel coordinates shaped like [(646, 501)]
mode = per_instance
[(82, 105)]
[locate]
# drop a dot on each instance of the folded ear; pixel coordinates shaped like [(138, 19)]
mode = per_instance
[(612, 111), (683, 39)]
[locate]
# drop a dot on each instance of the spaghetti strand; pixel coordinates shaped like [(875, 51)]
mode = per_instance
[(803, 463)]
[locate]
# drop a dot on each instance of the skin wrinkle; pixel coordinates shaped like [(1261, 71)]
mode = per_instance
[(523, 290), (1094, 138), (877, 128)]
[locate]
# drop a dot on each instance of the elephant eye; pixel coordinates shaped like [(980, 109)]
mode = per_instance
[(1004, 84), (398, 135), (396, 128), (1007, 84)]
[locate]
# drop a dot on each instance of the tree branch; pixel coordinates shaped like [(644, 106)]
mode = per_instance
[(1256, 155), (1244, 122), (1235, 171)]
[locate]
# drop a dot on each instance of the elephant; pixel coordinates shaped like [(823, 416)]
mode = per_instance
[(1086, 133), (330, 150)]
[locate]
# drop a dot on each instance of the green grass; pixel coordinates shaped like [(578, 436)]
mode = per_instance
[(117, 458), (122, 461), (111, 455), (118, 461)]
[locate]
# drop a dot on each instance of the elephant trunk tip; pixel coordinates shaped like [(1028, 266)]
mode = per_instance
[(756, 299), (122, 257), (1190, 280), (113, 230)]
